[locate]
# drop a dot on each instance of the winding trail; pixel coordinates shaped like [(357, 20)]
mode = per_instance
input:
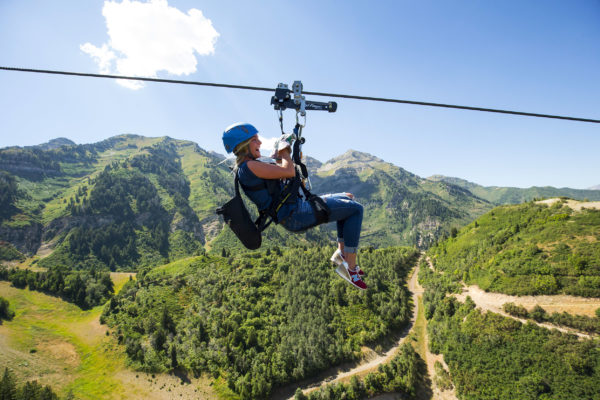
[(373, 360), (483, 300), (494, 302), (488, 301), (430, 358), (369, 363)]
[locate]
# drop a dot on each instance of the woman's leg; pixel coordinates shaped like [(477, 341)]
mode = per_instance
[(348, 214), (351, 260)]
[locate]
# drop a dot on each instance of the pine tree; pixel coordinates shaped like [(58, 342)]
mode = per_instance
[(5, 312), (8, 387), (300, 395), (30, 391), (174, 363), (47, 394)]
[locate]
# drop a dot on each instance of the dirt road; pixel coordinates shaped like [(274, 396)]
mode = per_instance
[(488, 301), (494, 302), (557, 303), (371, 364)]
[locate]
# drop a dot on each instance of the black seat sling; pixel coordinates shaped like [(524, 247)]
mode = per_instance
[(236, 216)]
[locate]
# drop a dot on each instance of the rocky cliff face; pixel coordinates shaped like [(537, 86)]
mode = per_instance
[(26, 239), (185, 224)]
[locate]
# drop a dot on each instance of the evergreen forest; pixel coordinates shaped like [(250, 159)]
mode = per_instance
[(260, 320)]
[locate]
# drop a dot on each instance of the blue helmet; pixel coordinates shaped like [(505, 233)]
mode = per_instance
[(236, 134)]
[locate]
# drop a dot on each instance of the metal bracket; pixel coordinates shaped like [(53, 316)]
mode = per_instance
[(299, 100)]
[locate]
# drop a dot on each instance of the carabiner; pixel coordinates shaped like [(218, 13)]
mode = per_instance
[(298, 119)]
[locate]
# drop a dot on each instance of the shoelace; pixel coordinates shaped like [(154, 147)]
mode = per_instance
[(354, 275)]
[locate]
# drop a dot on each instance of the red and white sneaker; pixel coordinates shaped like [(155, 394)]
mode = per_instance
[(351, 277), (338, 259)]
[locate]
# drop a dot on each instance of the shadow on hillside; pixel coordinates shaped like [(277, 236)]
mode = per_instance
[(182, 375), (423, 386)]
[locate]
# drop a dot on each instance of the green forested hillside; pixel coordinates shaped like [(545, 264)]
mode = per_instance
[(512, 195), (116, 204), (492, 357), (531, 248), (131, 201), (84, 288), (399, 206), (259, 320)]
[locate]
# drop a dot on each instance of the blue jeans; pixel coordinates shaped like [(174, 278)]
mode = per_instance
[(347, 213)]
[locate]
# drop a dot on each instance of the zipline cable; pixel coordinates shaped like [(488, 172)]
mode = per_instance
[(344, 96)]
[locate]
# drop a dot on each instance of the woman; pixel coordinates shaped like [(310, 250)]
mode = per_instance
[(297, 215)]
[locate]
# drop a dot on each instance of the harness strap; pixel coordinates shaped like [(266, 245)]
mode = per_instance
[(290, 192), (255, 188), (319, 206), (263, 221)]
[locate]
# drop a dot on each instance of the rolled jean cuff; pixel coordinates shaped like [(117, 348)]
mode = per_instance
[(348, 249)]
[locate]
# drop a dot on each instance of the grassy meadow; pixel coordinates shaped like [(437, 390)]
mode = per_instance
[(58, 344)]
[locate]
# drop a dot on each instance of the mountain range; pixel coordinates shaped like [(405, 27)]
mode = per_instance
[(512, 195), (132, 201)]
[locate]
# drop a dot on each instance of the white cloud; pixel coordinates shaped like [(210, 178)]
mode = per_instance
[(147, 37), (103, 56)]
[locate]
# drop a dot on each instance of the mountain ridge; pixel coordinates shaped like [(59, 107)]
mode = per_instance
[(513, 195), (157, 196)]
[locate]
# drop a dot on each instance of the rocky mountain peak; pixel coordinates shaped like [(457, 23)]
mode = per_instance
[(312, 164), (56, 143), (350, 159), (454, 181)]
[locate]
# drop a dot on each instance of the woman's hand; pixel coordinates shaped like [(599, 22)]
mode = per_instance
[(274, 171), (284, 141)]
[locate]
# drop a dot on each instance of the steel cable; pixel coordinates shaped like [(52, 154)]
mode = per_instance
[(344, 96)]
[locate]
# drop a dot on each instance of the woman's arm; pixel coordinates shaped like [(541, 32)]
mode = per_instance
[(274, 171)]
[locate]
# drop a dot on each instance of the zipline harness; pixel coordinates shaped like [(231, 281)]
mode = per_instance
[(281, 101), (234, 212)]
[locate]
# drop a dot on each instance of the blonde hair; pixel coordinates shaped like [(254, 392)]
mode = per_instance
[(242, 151)]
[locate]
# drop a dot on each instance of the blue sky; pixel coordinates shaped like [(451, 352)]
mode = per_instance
[(534, 56)]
